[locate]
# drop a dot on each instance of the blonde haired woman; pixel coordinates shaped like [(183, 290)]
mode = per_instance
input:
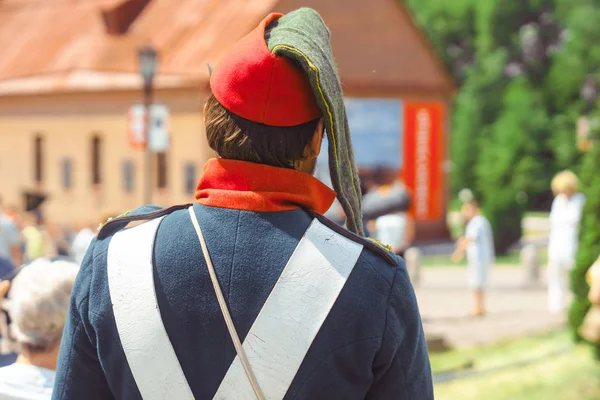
[(565, 217)]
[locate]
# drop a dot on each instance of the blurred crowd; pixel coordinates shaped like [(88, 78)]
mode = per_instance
[(39, 263), (25, 237), (388, 210), (38, 266), (477, 243)]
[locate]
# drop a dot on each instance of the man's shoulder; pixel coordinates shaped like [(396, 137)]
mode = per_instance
[(376, 251), (99, 245), (141, 214), (92, 280)]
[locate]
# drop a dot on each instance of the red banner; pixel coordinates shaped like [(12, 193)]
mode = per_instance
[(424, 155)]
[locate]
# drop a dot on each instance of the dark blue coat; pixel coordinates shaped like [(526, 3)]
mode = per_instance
[(370, 346)]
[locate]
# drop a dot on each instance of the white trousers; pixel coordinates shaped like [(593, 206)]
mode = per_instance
[(558, 285)]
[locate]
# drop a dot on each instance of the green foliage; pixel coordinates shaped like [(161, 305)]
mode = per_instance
[(521, 65), (464, 146), (510, 169), (563, 142), (475, 111), (554, 375), (450, 26), (579, 57), (589, 241)]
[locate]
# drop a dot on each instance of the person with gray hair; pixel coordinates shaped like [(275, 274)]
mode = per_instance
[(37, 305)]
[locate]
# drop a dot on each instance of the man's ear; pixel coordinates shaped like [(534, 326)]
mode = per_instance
[(314, 147)]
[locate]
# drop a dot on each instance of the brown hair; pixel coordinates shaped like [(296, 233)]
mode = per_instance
[(236, 138)]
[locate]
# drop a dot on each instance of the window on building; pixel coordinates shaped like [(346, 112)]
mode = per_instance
[(96, 160), (128, 176), (161, 167), (190, 178), (67, 173), (38, 159)]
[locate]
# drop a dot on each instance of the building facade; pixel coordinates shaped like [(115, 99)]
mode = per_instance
[(74, 148), (65, 92)]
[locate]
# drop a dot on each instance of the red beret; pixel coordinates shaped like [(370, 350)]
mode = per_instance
[(257, 85)]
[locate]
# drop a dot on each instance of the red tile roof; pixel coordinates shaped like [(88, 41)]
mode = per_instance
[(56, 37), (55, 45)]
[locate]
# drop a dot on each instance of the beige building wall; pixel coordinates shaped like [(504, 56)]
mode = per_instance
[(67, 123)]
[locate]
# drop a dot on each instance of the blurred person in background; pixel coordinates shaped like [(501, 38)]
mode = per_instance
[(11, 254), (37, 305), (7, 351), (565, 216), (84, 237), (478, 245), (593, 279), (33, 237), (590, 329), (397, 229), (51, 234), (40, 239), (81, 242), (56, 240), (12, 213), (336, 212)]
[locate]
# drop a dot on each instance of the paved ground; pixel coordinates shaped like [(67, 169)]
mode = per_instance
[(513, 309), (529, 223)]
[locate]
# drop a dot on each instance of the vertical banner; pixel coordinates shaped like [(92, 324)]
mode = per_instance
[(159, 127), (424, 155), (136, 124)]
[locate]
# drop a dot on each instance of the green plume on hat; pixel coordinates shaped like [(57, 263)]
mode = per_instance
[(302, 36)]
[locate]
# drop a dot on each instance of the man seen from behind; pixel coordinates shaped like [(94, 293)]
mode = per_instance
[(250, 292)]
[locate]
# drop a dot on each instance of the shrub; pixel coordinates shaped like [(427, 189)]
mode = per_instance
[(589, 241)]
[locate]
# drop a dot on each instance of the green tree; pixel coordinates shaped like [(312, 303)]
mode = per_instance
[(475, 112), (450, 26), (563, 143), (521, 65), (510, 170)]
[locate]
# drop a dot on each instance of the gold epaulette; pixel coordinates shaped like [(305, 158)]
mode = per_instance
[(378, 243), (110, 219)]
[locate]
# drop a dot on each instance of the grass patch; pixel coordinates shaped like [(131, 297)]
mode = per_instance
[(454, 205), (573, 375), (537, 214), (511, 259), (499, 354), (531, 233)]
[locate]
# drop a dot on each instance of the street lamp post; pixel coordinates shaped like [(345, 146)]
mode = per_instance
[(148, 60)]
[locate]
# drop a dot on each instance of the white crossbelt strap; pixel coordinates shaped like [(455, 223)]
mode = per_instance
[(293, 314), (150, 355), (277, 341)]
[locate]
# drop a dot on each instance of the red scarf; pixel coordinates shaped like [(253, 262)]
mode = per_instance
[(256, 187)]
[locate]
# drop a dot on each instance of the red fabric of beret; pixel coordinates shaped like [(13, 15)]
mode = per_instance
[(259, 86)]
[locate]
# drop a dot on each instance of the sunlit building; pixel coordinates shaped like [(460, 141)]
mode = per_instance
[(69, 75)]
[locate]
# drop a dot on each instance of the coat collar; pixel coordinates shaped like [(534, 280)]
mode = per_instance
[(256, 187)]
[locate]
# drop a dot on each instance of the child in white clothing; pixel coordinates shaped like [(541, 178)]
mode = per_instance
[(478, 244)]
